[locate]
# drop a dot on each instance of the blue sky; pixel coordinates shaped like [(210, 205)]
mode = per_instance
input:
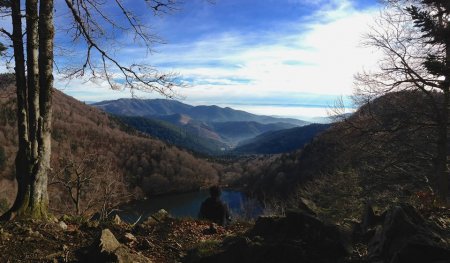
[(276, 57)]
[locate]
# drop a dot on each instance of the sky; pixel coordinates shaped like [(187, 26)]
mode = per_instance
[(291, 58)]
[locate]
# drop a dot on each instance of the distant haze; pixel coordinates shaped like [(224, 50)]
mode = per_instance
[(307, 113)]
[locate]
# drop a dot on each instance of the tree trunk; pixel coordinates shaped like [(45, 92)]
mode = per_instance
[(46, 37), (33, 76), (34, 108), (22, 157), (442, 166)]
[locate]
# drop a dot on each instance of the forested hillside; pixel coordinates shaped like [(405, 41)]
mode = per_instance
[(208, 130), (371, 174), (281, 141), (89, 143), (175, 135), (384, 153)]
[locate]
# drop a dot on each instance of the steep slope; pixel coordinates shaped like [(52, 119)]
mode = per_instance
[(383, 153), (222, 128), (141, 164), (206, 138), (237, 131), (183, 137), (281, 141)]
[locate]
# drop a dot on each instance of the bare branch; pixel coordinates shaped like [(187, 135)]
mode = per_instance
[(136, 76)]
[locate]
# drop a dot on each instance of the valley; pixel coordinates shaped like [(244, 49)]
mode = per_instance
[(203, 129), (277, 131)]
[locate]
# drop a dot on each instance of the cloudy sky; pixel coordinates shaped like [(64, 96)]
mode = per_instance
[(277, 57)]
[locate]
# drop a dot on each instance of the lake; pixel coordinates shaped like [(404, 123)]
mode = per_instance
[(188, 205)]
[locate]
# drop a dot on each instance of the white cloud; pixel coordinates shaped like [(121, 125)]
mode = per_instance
[(318, 55)]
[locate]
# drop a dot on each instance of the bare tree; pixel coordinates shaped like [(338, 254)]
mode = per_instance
[(76, 176), (91, 182), (33, 65), (110, 191), (413, 36)]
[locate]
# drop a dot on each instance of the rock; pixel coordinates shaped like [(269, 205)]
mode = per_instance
[(405, 237), (107, 249), (322, 235), (108, 242), (157, 217), (62, 225), (370, 220), (130, 237), (297, 237), (308, 206), (265, 224), (117, 220)]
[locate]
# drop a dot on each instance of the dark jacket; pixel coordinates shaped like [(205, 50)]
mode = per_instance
[(215, 210)]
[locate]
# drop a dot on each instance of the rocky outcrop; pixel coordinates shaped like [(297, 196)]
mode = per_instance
[(405, 237), (297, 237)]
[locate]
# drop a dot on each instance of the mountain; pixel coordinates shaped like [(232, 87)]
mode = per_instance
[(113, 153), (203, 129), (212, 139), (155, 107), (136, 107), (175, 135), (237, 131), (282, 141)]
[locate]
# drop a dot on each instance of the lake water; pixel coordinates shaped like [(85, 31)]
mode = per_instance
[(188, 205)]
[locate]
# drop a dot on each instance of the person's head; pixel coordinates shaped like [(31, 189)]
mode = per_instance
[(215, 191)]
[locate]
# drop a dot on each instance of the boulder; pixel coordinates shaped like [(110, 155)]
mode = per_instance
[(321, 235), (405, 237), (311, 230), (108, 242), (297, 237), (108, 249), (157, 217)]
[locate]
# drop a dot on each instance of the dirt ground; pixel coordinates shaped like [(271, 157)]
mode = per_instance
[(168, 241)]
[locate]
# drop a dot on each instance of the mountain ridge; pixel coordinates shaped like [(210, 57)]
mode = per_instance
[(209, 113), (213, 128), (281, 141)]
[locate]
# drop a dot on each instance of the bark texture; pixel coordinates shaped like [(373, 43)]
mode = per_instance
[(34, 107)]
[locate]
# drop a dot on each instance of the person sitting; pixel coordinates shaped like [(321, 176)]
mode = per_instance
[(213, 209)]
